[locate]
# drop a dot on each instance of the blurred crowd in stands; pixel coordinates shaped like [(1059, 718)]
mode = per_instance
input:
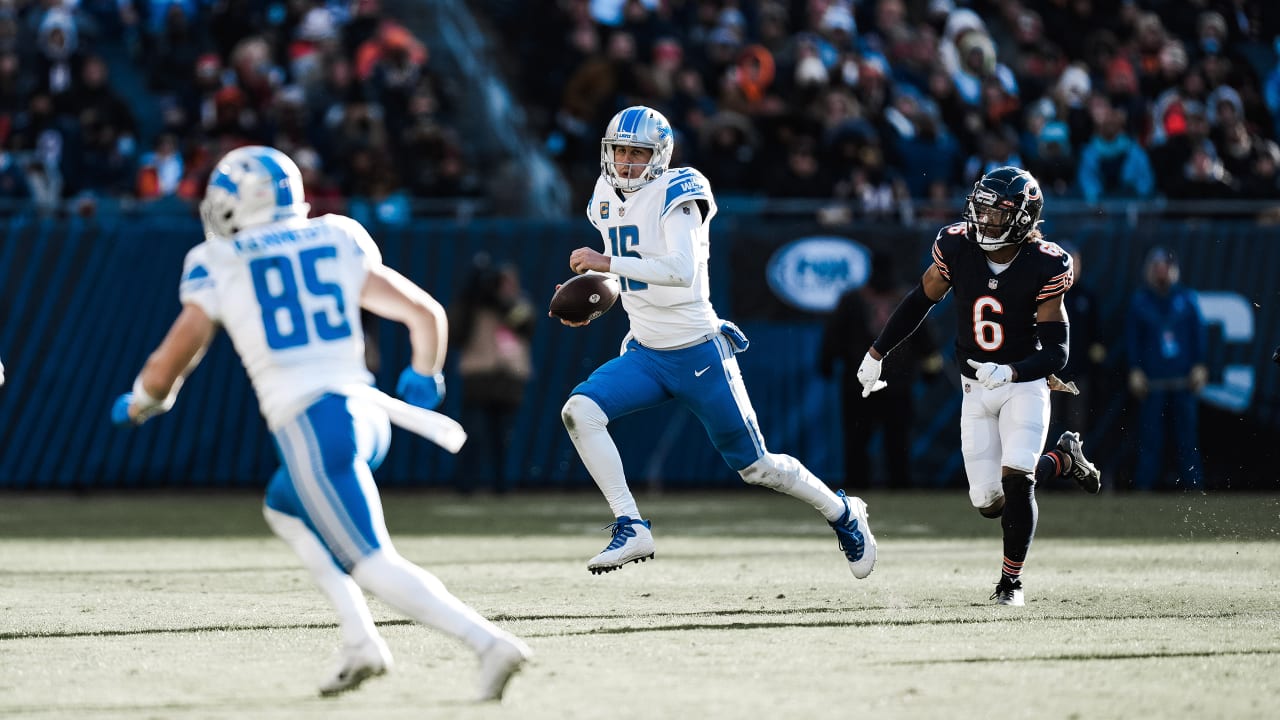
[(865, 101), (345, 90), (873, 101)]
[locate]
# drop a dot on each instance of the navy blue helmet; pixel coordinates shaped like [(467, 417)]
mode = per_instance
[(1003, 208)]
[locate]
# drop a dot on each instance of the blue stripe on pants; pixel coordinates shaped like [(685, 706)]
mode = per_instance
[(328, 455)]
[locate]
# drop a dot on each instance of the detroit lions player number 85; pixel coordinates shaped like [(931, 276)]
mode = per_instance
[(288, 290), (1011, 336), (654, 221)]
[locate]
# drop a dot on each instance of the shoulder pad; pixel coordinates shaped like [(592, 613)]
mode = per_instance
[(197, 284), (945, 245), (954, 230), (356, 232), (195, 267), (685, 184), (1059, 272)]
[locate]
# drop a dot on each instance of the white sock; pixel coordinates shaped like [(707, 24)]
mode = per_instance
[(421, 596), (788, 475), (588, 429), (354, 619)]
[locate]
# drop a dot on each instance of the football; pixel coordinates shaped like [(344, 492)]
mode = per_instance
[(585, 297)]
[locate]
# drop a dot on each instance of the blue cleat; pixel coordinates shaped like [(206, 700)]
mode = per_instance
[(854, 534)]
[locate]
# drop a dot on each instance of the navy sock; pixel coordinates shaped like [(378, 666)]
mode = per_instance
[(1051, 465), (1018, 522)]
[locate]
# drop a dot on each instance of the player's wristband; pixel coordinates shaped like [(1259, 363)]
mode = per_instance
[(904, 320), (148, 403), (1050, 358)]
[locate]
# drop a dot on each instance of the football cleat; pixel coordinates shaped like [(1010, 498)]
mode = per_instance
[(1008, 592), (632, 542), (355, 664), (502, 659), (1082, 471), (853, 532)]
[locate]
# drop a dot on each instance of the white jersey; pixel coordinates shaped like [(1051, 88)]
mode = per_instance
[(631, 225), (288, 294)]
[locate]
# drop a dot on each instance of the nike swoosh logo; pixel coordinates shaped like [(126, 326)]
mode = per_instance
[(698, 373)]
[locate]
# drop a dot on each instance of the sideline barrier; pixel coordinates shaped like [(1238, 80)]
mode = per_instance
[(86, 300)]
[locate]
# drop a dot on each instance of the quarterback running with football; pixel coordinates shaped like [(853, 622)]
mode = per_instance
[(289, 291), (653, 220), (1011, 338)]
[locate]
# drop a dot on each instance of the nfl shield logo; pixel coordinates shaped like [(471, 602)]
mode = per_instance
[(622, 211), (604, 210), (992, 283)]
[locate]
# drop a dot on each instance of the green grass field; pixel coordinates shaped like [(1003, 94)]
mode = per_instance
[(183, 606)]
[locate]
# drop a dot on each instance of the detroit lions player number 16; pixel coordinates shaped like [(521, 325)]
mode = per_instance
[(653, 220), (289, 290)]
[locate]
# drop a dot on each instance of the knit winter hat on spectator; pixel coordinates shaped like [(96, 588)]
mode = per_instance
[(1223, 94), (1075, 85), (318, 25)]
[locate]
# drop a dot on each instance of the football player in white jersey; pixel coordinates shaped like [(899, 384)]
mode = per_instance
[(1012, 334), (288, 290), (653, 220)]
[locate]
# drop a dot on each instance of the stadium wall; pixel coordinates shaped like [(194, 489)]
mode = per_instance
[(86, 299)]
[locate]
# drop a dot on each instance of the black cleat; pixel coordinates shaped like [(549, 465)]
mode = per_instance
[(1008, 592)]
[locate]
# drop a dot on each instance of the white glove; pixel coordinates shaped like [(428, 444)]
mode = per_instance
[(991, 375), (869, 375)]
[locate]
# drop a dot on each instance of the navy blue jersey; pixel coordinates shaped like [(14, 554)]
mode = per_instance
[(996, 314)]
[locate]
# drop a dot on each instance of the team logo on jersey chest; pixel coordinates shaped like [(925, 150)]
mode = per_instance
[(604, 210), (993, 283)]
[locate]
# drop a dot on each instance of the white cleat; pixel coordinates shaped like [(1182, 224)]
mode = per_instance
[(632, 542), (502, 659), (853, 532), (1082, 471), (1009, 593), (355, 664)]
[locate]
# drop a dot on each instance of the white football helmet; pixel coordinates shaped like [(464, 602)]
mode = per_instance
[(251, 186), (637, 126)]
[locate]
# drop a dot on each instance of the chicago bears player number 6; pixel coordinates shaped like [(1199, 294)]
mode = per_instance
[(653, 220), (1011, 337)]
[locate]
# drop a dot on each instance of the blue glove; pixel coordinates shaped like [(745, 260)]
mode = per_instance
[(425, 391), (120, 410)]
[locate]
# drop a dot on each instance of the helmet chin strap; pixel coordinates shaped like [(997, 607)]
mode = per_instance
[(990, 243)]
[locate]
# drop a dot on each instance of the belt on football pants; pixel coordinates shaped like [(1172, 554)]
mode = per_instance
[(705, 338)]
